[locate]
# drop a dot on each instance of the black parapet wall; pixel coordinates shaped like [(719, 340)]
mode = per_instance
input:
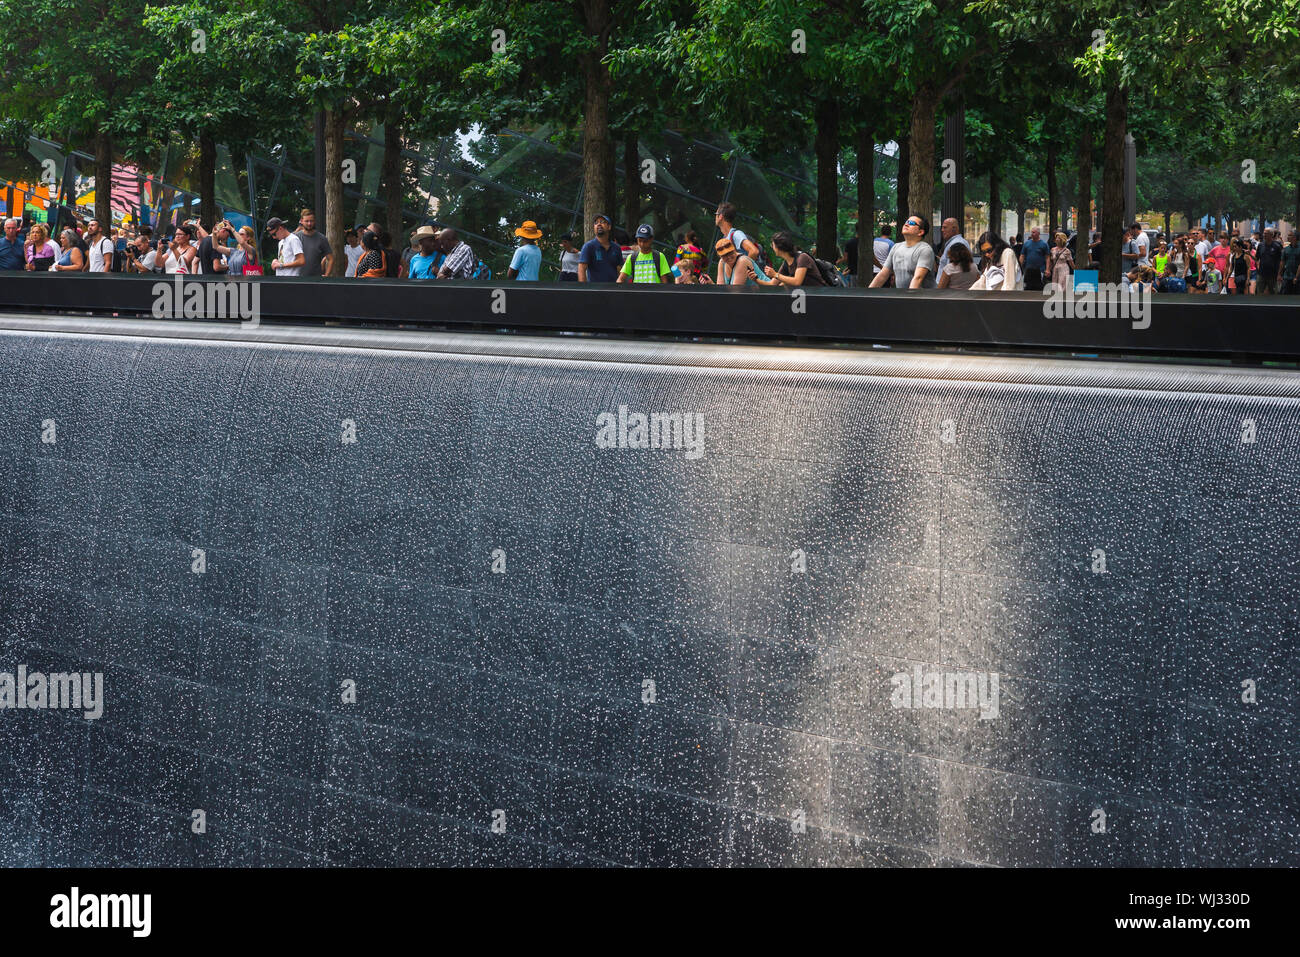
[(562, 653), (1243, 328)]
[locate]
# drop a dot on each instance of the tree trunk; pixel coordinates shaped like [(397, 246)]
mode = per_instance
[(1112, 183), (904, 182), (920, 190), (1295, 223), (1083, 221), (827, 146), (995, 201), (866, 150), (335, 122), (207, 182), (1169, 226), (103, 181), (1020, 222), (631, 183), (391, 174), (597, 148), (1051, 194)]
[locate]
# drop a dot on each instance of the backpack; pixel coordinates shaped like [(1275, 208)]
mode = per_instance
[(830, 275)]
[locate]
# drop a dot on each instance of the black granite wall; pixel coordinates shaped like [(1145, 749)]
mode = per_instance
[(521, 696)]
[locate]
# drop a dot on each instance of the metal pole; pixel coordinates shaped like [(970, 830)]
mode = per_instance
[(954, 172)]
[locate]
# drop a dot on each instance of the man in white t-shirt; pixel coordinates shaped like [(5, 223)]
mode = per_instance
[(1203, 248), (1137, 248), (352, 246), (291, 258), (100, 247)]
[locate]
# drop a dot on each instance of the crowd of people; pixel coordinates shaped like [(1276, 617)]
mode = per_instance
[(1192, 262)]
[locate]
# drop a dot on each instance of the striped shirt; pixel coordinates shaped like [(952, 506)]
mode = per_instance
[(459, 262)]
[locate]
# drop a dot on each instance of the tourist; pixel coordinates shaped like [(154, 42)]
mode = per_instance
[(734, 269), (601, 258), (11, 248), (316, 251), (725, 219), (100, 247), (373, 263), (1170, 281), (797, 267), (949, 236), (910, 262), (213, 251), (689, 248), (1269, 259), (646, 264), (290, 258), (1060, 264), (999, 264), (178, 256), (688, 272), (570, 257), (243, 259), (959, 272), (71, 259), (140, 256), (428, 258), (1033, 259), (1137, 247), (38, 251), (1239, 267), (460, 261), (353, 249), (1291, 264), (880, 247), (526, 263)]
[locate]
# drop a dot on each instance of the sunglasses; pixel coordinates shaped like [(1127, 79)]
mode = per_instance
[(913, 222)]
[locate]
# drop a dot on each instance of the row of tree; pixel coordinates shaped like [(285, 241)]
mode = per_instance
[(1211, 88)]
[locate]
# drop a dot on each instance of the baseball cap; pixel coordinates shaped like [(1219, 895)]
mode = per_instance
[(273, 224), (645, 232)]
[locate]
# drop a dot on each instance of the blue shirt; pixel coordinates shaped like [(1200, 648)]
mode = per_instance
[(602, 264), (424, 267), (527, 261), (12, 255), (1035, 253)]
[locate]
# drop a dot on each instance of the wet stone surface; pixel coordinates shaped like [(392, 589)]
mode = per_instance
[(475, 636)]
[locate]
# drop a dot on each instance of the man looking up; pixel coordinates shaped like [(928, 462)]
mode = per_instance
[(912, 260), (601, 258)]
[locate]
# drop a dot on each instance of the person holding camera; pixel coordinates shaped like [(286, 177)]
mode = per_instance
[(140, 258)]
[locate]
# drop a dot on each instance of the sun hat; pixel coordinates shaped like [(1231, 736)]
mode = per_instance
[(724, 247), (529, 230), (424, 231)]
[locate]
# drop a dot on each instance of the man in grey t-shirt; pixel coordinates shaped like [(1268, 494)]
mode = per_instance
[(911, 261), (315, 246)]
